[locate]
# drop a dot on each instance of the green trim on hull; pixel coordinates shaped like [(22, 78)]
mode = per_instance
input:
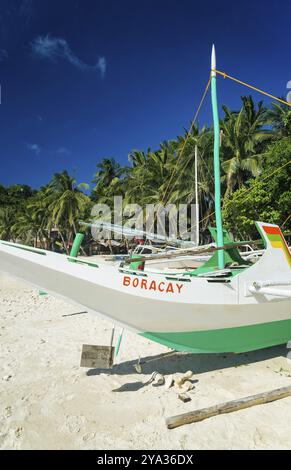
[(237, 340)]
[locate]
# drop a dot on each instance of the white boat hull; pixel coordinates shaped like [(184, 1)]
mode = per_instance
[(156, 303)]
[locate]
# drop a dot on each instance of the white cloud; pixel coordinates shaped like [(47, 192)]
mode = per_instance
[(102, 65), (54, 49), (63, 151), (34, 148)]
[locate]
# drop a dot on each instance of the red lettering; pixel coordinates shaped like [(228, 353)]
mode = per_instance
[(135, 282), (153, 285), (159, 287), (179, 287), (143, 284), (170, 288), (126, 280)]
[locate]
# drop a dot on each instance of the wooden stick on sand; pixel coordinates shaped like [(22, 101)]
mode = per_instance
[(228, 407)]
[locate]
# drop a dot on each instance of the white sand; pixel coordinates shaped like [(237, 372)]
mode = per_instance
[(48, 402)]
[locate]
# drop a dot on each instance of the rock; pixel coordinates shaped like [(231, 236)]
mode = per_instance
[(184, 397), (19, 432), (183, 378), (7, 378), (138, 368), (158, 379), (169, 382), (89, 436), (187, 386), (8, 412)]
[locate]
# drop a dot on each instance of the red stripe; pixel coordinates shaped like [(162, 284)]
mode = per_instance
[(277, 231), (272, 230)]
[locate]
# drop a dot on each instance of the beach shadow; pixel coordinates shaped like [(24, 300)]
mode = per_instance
[(198, 363), (130, 387)]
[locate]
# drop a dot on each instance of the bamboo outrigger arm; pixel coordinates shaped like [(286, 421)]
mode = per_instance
[(211, 248), (256, 289)]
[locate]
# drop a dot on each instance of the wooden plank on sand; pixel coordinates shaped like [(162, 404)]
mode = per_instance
[(97, 357), (228, 407)]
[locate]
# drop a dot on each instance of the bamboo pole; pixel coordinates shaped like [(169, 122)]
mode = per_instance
[(216, 152), (196, 196), (189, 251), (228, 407)]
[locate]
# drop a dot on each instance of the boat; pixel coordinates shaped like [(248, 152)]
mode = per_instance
[(226, 304)]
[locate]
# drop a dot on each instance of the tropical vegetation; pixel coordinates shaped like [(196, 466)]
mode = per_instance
[(255, 180)]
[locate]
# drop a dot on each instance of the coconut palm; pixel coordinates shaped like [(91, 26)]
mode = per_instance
[(66, 204), (25, 228), (7, 220), (181, 185), (243, 136), (38, 207), (280, 116), (107, 170), (148, 178)]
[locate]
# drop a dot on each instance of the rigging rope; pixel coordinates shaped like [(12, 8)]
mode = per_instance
[(286, 220), (186, 140), (184, 145), (225, 75), (248, 190)]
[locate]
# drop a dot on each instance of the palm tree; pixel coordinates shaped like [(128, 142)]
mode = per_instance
[(38, 207), (280, 115), (107, 170), (25, 227), (182, 182), (146, 183), (66, 204), (7, 220), (137, 157), (243, 136)]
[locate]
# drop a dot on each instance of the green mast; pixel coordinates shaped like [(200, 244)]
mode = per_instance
[(218, 217)]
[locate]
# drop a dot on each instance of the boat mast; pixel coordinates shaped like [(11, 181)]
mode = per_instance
[(196, 196), (218, 217)]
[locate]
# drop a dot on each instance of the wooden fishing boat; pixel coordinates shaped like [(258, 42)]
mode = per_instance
[(224, 305)]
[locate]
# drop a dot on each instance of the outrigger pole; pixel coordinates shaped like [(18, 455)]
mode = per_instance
[(218, 217)]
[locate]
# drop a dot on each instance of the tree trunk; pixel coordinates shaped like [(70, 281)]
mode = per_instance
[(63, 241)]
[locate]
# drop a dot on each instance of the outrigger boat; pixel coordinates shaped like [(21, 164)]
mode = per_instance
[(225, 305)]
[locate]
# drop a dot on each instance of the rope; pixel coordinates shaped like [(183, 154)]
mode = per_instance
[(186, 140), (184, 145), (286, 220), (225, 75), (249, 190)]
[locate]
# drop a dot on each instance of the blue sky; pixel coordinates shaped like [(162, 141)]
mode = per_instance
[(83, 80)]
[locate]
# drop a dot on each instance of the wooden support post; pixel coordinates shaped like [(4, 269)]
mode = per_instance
[(228, 407)]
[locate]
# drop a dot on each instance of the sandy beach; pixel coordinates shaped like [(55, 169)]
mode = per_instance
[(48, 402)]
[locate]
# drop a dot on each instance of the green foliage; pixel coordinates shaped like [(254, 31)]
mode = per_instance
[(267, 198), (255, 180), (243, 136)]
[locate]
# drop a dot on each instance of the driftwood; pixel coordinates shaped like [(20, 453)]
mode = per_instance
[(228, 407)]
